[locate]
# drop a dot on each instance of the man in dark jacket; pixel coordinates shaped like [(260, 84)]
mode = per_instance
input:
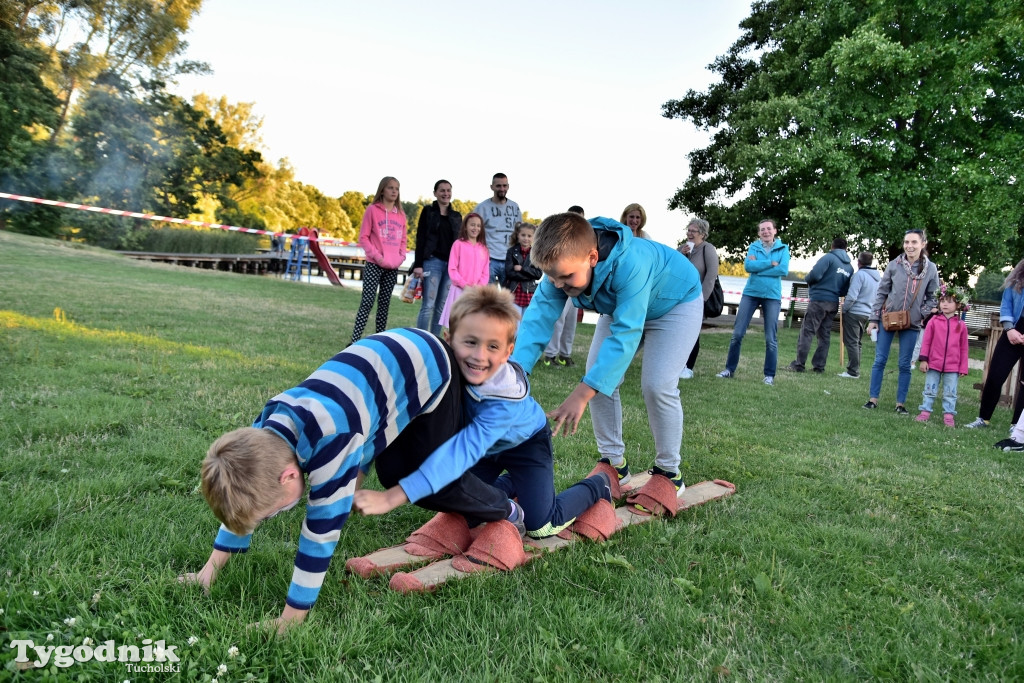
[(828, 281)]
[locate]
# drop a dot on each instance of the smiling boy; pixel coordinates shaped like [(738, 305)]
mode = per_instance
[(506, 441)]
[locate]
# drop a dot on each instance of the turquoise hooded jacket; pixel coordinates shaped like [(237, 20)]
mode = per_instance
[(635, 280), (765, 280)]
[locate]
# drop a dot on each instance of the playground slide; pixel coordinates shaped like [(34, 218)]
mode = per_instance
[(321, 258)]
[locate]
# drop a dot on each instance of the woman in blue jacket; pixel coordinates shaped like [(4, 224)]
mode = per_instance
[(767, 262), (1008, 352)]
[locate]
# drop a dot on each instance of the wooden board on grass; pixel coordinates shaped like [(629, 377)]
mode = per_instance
[(437, 573)]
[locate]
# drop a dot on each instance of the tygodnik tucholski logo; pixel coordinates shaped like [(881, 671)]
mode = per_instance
[(150, 658)]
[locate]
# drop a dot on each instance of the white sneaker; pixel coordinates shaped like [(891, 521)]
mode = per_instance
[(724, 373), (848, 375), (770, 381), (977, 424), (687, 373)]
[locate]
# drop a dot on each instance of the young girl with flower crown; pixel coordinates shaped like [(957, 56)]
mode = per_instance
[(943, 356)]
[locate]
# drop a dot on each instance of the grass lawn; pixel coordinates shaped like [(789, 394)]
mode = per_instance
[(859, 545)]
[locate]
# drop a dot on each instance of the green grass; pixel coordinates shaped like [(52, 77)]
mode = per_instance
[(859, 545)]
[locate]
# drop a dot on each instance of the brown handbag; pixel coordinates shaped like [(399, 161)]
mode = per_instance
[(895, 321)]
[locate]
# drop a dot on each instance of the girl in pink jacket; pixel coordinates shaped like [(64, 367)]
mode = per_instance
[(469, 263), (944, 354), (382, 236)]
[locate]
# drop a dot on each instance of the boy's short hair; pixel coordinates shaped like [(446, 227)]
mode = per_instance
[(865, 259), (490, 301), (563, 235), (240, 476), (839, 243)]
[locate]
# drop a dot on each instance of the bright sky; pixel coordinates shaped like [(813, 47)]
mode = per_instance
[(563, 96)]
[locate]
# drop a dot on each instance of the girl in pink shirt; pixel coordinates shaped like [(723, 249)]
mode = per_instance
[(944, 354), (382, 236), (469, 263)]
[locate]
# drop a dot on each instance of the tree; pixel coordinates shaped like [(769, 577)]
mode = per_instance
[(354, 204), (865, 119), (130, 38)]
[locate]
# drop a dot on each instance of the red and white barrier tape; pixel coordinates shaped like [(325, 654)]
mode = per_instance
[(785, 298), (167, 219)]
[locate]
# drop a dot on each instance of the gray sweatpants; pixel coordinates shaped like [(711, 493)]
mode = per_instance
[(668, 341)]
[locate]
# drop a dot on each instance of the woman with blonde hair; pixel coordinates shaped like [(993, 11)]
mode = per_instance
[(635, 218), (1008, 352)]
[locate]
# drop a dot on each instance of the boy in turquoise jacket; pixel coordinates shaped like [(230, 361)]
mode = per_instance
[(645, 289)]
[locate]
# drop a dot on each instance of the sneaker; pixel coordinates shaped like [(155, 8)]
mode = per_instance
[(547, 360), (770, 381), (675, 477), (520, 520), (622, 471), (900, 410), (560, 361), (687, 373), (1010, 445), (870, 405), (566, 361), (947, 420), (848, 375), (977, 424), (923, 416), (793, 367), (819, 370), (724, 373)]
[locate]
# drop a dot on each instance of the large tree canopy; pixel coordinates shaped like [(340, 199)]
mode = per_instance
[(864, 120)]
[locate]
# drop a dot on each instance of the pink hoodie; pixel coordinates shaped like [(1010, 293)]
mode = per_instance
[(382, 236), (945, 344)]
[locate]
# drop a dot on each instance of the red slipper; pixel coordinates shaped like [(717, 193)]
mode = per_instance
[(498, 546), (656, 497), (445, 534), (597, 523)]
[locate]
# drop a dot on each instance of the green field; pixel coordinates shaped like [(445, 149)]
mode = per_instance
[(859, 545)]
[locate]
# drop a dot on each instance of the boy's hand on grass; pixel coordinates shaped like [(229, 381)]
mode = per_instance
[(369, 502), (569, 414), (208, 574)]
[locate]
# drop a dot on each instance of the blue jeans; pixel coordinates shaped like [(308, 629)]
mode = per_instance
[(770, 314), (498, 272), (908, 339), (435, 291), (949, 381)]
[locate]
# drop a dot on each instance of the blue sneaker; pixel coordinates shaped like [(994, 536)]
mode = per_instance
[(520, 521), (623, 471)]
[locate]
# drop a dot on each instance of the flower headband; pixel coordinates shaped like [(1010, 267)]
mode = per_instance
[(958, 294)]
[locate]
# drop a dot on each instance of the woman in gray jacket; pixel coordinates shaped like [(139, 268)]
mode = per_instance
[(908, 284)]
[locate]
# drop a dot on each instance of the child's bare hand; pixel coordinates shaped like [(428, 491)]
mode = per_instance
[(369, 502), (923, 365), (204, 578), (569, 414)]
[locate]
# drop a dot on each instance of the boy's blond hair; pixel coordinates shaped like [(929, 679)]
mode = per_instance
[(563, 235), (241, 476), (490, 301)]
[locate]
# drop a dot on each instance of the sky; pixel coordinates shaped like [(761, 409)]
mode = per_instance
[(562, 96)]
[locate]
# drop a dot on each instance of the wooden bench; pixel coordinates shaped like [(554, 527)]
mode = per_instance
[(797, 309)]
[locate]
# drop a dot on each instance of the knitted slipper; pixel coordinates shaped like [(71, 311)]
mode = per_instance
[(498, 546), (445, 534), (613, 477), (597, 523), (656, 497)]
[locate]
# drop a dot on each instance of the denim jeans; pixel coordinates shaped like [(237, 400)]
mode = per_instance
[(498, 272), (770, 313), (908, 338), (435, 291), (949, 381)]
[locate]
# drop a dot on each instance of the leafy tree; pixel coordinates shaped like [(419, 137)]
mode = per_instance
[(354, 204), (865, 119)]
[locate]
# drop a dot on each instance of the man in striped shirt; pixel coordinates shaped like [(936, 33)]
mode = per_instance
[(392, 398)]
